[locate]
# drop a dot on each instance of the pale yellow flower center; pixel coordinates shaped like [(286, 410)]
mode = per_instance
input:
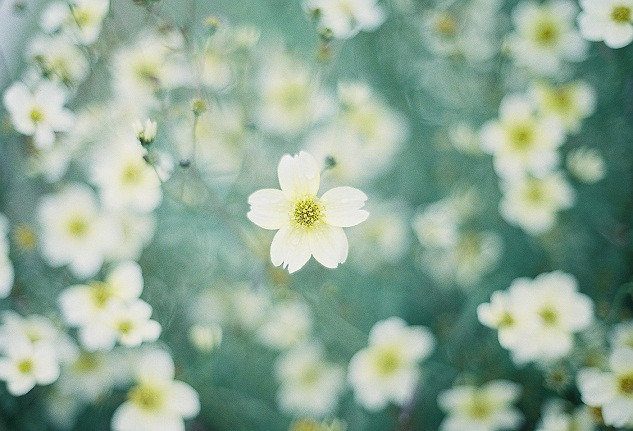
[(25, 237), (625, 384), (25, 366), (387, 361), (125, 327), (77, 227), (521, 136), (147, 397), (307, 212), (132, 174), (37, 115), (480, 408), (86, 362), (506, 320), (535, 192), (311, 375), (548, 316), (621, 14), (446, 24), (100, 293), (546, 33), (305, 425), (292, 95), (81, 16)]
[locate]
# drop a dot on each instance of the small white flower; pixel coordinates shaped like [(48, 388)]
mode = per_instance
[(129, 324), (28, 364), (437, 225), (485, 408), (310, 386), (39, 112), (58, 59), (622, 335), (533, 203), (545, 36), (611, 390), (608, 20), (157, 402), (205, 338), (387, 370), (557, 418), (137, 231), (570, 103), (288, 324), (6, 267), (88, 376), (74, 231), (308, 225), (586, 164), (520, 140), (345, 18), (145, 133), (81, 19)]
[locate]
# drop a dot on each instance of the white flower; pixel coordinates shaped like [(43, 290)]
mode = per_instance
[(485, 408), (6, 267), (58, 58), (545, 36), (345, 18), (28, 364), (39, 112), (88, 376), (622, 335), (520, 140), (304, 424), (137, 231), (308, 225), (586, 164), (74, 231), (81, 19), (538, 318), (387, 370), (205, 338), (533, 203), (310, 386), (157, 402), (33, 329), (570, 103), (437, 225), (288, 324), (145, 133), (611, 390), (556, 418), (129, 324), (608, 20)]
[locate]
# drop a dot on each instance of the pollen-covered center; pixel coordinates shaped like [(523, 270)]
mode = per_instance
[(521, 136), (387, 361), (625, 384), (546, 33), (621, 14), (25, 366), (77, 227), (307, 212), (480, 407), (548, 316), (36, 115), (147, 397)]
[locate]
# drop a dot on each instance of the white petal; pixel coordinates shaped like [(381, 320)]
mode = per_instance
[(127, 280), (618, 36), (156, 364), (298, 175), (21, 385), (342, 206), (290, 248), (328, 245), (184, 400), (269, 208)]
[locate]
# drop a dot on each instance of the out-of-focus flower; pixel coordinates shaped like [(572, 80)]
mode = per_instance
[(39, 112), (308, 225), (305, 424), (288, 323), (464, 138), (557, 418), (205, 338), (310, 386), (622, 335), (586, 164), (437, 225), (157, 401), (485, 408), (75, 232), (570, 103), (81, 19), (345, 18), (520, 140), (611, 390), (387, 370), (533, 203), (88, 375), (538, 318), (137, 230), (6, 267), (608, 20), (28, 364), (58, 59), (545, 36)]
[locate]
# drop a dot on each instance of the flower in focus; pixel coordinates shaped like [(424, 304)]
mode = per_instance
[(310, 386), (611, 390), (145, 133), (570, 103), (485, 408), (308, 225), (608, 20), (520, 140), (345, 18), (39, 112), (545, 36), (387, 370), (533, 203), (586, 164), (157, 401)]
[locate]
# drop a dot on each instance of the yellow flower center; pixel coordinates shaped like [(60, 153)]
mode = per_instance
[(446, 24), (561, 99), (86, 362), (480, 408), (625, 384), (549, 316), (100, 293), (147, 397), (77, 227), (305, 425), (81, 16), (506, 320), (546, 33), (292, 95), (388, 361), (307, 212), (311, 375), (521, 136), (535, 193), (25, 238), (37, 115), (621, 14), (25, 366), (125, 327), (132, 174)]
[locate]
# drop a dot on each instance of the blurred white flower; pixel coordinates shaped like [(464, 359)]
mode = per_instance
[(345, 18), (608, 20), (58, 59), (81, 19), (520, 140), (33, 329), (537, 319), (74, 230), (288, 323), (27, 364), (611, 390), (545, 36), (157, 401), (622, 335), (308, 225), (437, 225), (6, 267), (205, 338), (387, 370), (557, 418), (533, 203), (464, 138), (305, 424), (38, 112), (137, 231), (88, 376), (570, 103), (310, 386), (484, 408), (586, 164)]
